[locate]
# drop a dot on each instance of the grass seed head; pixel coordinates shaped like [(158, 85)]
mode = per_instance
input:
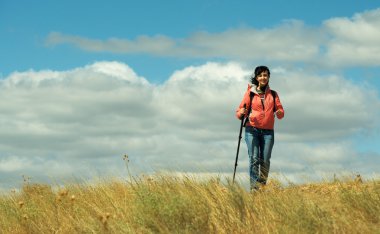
[(358, 179), (125, 158), (103, 218), (20, 204), (63, 193)]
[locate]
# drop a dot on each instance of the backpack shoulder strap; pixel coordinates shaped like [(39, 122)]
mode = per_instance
[(251, 95), (274, 94)]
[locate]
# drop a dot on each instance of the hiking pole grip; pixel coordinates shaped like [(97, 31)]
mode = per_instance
[(238, 147)]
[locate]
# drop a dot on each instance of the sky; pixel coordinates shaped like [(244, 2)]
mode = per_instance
[(82, 83)]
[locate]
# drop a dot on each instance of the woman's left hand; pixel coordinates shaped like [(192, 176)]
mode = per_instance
[(279, 113)]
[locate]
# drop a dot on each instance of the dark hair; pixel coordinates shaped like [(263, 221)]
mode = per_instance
[(258, 71)]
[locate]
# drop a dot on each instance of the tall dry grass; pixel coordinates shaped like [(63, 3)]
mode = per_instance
[(167, 204)]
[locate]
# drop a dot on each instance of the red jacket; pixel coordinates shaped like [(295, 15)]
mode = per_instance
[(261, 116)]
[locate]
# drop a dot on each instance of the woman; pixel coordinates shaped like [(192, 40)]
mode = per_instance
[(262, 105)]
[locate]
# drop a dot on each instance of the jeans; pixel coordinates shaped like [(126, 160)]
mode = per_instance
[(259, 143)]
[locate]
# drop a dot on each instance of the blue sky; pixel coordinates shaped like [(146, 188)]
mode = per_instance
[(84, 82), (26, 24)]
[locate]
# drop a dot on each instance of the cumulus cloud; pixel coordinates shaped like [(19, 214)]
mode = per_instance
[(82, 121), (337, 42), (324, 107), (354, 41)]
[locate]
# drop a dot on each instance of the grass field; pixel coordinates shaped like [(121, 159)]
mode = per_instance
[(168, 204)]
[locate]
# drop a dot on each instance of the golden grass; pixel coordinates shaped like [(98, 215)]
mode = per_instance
[(168, 204)]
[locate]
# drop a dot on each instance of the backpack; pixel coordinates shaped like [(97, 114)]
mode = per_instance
[(251, 95)]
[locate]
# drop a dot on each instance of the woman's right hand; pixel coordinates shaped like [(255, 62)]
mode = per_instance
[(242, 112)]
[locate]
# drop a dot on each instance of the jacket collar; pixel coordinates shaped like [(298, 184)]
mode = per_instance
[(253, 87)]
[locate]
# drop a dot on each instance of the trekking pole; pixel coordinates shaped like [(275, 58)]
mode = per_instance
[(237, 152)]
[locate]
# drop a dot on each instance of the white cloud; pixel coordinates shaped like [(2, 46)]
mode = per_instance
[(10, 164), (354, 41), (143, 44), (324, 107), (61, 123), (290, 41), (338, 42)]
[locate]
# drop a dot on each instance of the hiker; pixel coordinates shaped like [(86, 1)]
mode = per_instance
[(263, 104)]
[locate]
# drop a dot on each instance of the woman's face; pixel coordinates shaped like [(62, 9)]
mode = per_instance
[(263, 78)]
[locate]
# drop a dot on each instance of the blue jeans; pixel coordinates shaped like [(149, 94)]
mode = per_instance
[(259, 143)]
